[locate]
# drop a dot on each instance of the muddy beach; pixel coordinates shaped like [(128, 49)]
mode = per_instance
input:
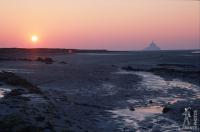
[(101, 92)]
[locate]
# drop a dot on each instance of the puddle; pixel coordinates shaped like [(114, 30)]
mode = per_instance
[(17, 70), (154, 82), (34, 97), (183, 85), (166, 100), (132, 118), (153, 111), (133, 101), (150, 109), (4, 91), (173, 100)]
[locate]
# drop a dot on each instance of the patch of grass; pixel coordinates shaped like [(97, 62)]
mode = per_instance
[(14, 80)]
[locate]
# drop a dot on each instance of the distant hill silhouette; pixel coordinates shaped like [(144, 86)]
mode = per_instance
[(49, 50), (152, 47)]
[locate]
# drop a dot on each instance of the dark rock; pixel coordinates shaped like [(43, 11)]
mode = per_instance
[(131, 108), (150, 101), (166, 109)]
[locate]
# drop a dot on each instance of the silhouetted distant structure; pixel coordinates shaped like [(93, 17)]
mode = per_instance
[(152, 47)]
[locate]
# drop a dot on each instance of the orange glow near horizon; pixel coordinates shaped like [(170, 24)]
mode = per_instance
[(96, 24)]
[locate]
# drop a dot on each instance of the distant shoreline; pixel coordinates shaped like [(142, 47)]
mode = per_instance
[(63, 50)]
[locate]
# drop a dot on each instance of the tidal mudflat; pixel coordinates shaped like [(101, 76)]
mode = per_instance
[(99, 92)]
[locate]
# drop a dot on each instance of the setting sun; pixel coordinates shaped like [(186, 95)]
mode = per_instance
[(34, 38)]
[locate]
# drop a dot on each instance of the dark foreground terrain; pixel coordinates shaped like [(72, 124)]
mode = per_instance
[(100, 92)]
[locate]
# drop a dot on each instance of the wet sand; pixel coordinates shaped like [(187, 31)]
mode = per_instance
[(91, 92)]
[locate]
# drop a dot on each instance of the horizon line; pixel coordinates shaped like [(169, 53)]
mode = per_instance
[(96, 49)]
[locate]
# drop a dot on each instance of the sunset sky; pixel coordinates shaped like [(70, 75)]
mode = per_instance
[(100, 24)]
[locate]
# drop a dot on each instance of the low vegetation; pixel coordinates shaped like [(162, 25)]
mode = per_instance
[(14, 80), (46, 60)]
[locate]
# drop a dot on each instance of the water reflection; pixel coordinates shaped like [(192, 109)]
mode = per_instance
[(149, 110), (132, 118), (25, 71), (4, 91), (152, 82)]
